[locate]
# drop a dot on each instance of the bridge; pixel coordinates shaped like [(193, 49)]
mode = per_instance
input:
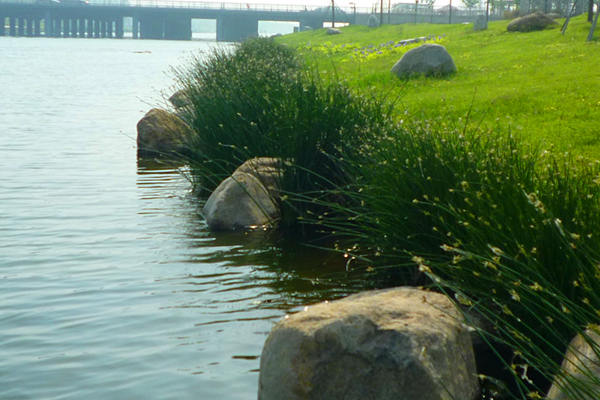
[(150, 19), (172, 19)]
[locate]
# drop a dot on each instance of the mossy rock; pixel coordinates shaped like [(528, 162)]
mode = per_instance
[(532, 22)]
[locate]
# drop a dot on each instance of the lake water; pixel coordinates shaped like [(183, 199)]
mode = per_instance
[(111, 287)]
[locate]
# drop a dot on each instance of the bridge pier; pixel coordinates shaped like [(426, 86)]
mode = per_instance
[(90, 28), (81, 25), (12, 23), (21, 28), (134, 27), (119, 28), (2, 24), (96, 28), (178, 28), (236, 28), (37, 26), (103, 28), (151, 27)]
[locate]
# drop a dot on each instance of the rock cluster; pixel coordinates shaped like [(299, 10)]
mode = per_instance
[(400, 343), (428, 59)]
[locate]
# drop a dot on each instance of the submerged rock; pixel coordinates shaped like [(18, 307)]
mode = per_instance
[(400, 343), (161, 134), (582, 367), (532, 22), (240, 202), (428, 59)]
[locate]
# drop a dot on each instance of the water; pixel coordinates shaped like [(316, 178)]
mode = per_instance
[(111, 287)]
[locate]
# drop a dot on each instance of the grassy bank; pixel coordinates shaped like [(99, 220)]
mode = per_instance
[(544, 86), (408, 191)]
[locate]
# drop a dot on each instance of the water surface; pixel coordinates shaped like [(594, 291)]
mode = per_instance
[(111, 287)]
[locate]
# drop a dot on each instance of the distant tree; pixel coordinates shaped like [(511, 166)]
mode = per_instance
[(470, 4)]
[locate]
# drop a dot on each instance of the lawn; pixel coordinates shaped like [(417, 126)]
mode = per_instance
[(542, 86)]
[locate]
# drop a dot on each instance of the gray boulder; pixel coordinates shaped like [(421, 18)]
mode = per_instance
[(373, 21), (240, 202), (333, 31), (400, 343), (268, 170), (428, 59), (480, 23), (532, 22), (162, 134), (581, 368)]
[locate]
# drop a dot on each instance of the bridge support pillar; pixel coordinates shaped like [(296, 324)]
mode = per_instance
[(2, 24), (37, 26), (151, 27), (65, 27), (90, 28), (96, 28), (135, 22), (21, 26), (48, 25), (119, 28), (29, 27), (103, 28), (81, 27), (57, 28), (12, 23), (178, 28), (236, 28), (109, 28)]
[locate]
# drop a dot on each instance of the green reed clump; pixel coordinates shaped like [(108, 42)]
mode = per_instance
[(257, 100), (510, 229), (231, 94)]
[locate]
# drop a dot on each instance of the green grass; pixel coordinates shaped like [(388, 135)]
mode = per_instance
[(542, 85)]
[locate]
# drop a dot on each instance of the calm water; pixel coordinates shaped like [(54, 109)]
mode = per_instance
[(111, 287)]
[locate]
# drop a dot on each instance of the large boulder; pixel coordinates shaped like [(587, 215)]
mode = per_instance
[(240, 202), (580, 370), (428, 59), (532, 22), (400, 343), (162, 134), (333, 31), (268, 170)]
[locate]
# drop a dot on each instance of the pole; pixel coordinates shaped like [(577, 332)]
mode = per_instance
[(389, 11), (333, 13), (450, 12), (487, 11), (381, 12)]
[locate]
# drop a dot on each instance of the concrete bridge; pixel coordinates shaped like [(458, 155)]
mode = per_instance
[(150, 19)]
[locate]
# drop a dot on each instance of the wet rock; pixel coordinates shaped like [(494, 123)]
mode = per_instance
[(532, 22), (428, 59), (582, 367), (240, 202), (400, 343), (162, 134)]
